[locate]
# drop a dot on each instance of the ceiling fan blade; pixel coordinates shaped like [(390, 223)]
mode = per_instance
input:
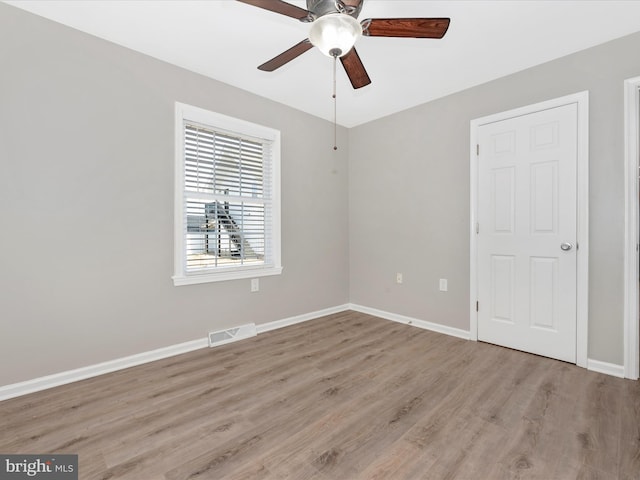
[(278, 6), (405, 27), (286, 56), (355, 69)]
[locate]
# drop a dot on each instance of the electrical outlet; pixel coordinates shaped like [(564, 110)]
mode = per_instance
[(398, 278), (443, 285), (255, 284)]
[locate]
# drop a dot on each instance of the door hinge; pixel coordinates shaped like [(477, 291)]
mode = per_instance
[(477, 228), (477, 306), (477, 149)]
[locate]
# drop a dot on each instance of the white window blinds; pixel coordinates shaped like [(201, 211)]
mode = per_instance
[(227, 205)]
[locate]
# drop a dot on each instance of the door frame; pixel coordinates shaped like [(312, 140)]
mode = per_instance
[(581, 99), (632, 168)]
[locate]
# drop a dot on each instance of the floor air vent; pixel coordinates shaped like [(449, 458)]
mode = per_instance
[(232, 334)]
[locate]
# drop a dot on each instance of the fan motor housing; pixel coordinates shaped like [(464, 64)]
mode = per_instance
[(320, 8)]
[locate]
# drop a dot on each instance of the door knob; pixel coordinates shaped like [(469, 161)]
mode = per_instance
[(566, 246)]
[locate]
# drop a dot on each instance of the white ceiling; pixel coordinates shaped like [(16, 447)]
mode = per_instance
[(226, 40)]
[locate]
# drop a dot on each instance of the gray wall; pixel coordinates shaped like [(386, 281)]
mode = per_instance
[(86, 201), (86, 204), (409, 193)]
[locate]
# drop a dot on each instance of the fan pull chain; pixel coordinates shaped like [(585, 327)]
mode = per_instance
[(335, 107)]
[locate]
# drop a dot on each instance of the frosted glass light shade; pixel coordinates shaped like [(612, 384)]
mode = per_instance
[(335, 34)]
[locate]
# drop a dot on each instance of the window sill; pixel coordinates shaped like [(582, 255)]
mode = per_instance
[(236, 274)]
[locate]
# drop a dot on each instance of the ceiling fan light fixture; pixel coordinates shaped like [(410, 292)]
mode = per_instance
[(335, 34)]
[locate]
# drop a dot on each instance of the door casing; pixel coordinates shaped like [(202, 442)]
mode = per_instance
[(631, 273), (581, 99)]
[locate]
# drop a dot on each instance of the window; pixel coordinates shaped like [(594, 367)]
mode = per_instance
[(227, 198)]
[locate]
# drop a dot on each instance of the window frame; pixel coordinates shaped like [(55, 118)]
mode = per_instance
[(233, 126)]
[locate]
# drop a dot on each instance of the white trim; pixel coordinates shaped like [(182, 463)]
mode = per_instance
[(582, 300), (231, 125), (632, 164), (178, 188), (63, 378), (473, 244), (237, 273), (606, 368), (285, 322), (70, 376), (581, 99), (414, 322)]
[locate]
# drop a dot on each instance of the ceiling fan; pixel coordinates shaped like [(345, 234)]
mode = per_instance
[(335, 29)]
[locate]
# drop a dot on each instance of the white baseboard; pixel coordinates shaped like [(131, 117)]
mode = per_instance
[(62, 378), (57, 379), (434, 327), (606, 368), (285, 322), (593, 365)]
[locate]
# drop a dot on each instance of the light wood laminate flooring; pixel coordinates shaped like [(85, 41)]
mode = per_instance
[(348, 396)]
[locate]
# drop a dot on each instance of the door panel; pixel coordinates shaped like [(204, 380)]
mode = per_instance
[(502, 282), (527, 209), (544, 293), (503, 201), (544, 198)]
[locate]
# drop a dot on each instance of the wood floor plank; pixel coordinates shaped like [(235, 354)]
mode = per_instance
[(629, 440), (347, 396)]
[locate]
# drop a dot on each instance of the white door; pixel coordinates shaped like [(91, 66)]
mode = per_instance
[(527, 219)]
